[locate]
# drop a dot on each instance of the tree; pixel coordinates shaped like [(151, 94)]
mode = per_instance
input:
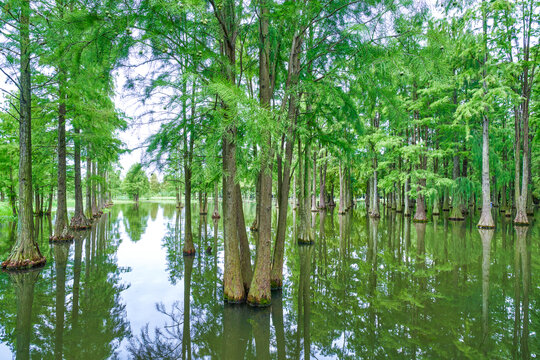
[(25, 252), (136, 182)]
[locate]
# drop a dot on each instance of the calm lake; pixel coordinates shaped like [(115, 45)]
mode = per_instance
[(366, 289)]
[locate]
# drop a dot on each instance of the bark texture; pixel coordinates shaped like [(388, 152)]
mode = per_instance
[(25, 253), (260, 289)]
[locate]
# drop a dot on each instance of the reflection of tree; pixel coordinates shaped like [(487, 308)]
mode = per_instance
[(522, 257), (260, 319), (236, 331), (169, 210), (172, 243), (186, 334), (486, 235), (61, 252), (23, 282), (304, 302), (98, 317), (277, 320), (173, 341), (135, 220), (154, 207)]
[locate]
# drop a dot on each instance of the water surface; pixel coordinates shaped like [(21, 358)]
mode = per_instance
[(367, 288)]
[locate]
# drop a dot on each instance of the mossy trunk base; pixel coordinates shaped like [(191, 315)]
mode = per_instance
[(65, 236), (18, 262), (80, 223)]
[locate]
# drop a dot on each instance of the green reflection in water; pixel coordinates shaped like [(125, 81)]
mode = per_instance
[(366, 288)]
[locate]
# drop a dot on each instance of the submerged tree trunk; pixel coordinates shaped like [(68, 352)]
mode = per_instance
[(25, 253)]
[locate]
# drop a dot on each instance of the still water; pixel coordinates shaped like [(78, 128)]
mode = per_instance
[(365, 290)]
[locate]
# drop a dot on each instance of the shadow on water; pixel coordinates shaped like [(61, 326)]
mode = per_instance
[(367, 288)]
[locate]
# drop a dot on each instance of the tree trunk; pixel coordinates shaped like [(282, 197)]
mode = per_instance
[(245, 254), (12, 195), (255, 224), (78, 221), (446, 205), (305, 233), (436, 205), (216, 215), (399, 200), (25, 253), (341, 189), (259, 292), (95, 211), (201, 205), (486, 220), (60, 225), (322, 185), (233, 288), (189, 248), (314, 185), (89, 214), (420, 215), (374, 211), (407, 204), (456, 214), (276, 275)]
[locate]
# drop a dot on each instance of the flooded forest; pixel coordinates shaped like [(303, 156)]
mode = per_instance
[(267, 179)]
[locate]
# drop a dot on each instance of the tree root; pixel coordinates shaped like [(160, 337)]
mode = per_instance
[(61, 238), (259, 303), (25, 264), (80, 223)]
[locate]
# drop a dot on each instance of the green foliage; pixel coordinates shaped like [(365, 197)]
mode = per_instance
[(136, 182)]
